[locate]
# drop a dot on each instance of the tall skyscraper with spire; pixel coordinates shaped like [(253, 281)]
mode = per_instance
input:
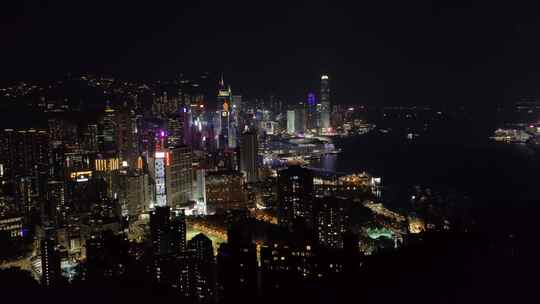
[(325, 103), (224, 110)]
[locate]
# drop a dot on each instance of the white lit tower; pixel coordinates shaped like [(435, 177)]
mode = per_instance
[(325, 104)]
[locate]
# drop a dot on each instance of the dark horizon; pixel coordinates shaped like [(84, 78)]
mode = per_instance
[(389, 53)]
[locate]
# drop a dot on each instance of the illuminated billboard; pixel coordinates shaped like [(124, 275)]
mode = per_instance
[(161, 189)]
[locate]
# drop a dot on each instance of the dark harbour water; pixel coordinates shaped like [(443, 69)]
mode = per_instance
[(501, 180)]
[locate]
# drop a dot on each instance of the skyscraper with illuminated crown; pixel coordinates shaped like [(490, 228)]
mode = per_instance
[(224, 111), (325, 103)]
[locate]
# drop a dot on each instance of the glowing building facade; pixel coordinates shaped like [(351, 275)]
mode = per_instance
[(291, 122), (161, 188), (325, 103)]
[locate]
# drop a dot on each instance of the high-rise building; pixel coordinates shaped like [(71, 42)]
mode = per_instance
[(127, 136), (21, 150), (107, 255), (204, 263), (234, 119), (160, 161), (179, 175), (311, 112), (300, 118), (178, 231), (56, 130), (200, 187), (325, 103), (224, 111), (295, 195), (134, 193), (202, 245), (337, 117), (248, 156), (236, 106), (160, 230), (331, 220), (172, 265), (162, 105), (55, 208), (57, 161), (277, 269), (175, 131), (186, 116), (107, 131), (12, 225), (291, 122), (184, 273), (24, 194), (237, 265), (50, 261), (225, 190), (168, 231), (199, 194)]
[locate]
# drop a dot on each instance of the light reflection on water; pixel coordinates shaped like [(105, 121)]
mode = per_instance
[(327, 162)]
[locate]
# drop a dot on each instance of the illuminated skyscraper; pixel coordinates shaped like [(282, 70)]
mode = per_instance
[(311, 112), (236, 106), (234, 120), (184, 273), (295, 191), (50, 261), (55, 208), (161, 231), (90, 138), (21, 150), (107, 131), (134, 192), (204, 264), (248, 156), (160, 176), (300, 118), (225, 190), (199, 194), (173, 175), (186, 117), (175, 130), (170, 260), (126, 136), (224, 135), (325, 103), (178, 231), (227, 133), (291, 122), (179, 175), (332, 221)]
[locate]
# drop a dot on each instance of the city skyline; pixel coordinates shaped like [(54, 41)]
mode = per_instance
[(268, 152)]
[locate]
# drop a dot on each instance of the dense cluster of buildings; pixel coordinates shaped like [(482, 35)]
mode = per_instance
[(94, 198)]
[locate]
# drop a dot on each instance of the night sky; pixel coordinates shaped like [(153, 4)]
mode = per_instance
[(376, 52)]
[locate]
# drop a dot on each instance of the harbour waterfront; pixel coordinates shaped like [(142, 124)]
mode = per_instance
[(500, 179)]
